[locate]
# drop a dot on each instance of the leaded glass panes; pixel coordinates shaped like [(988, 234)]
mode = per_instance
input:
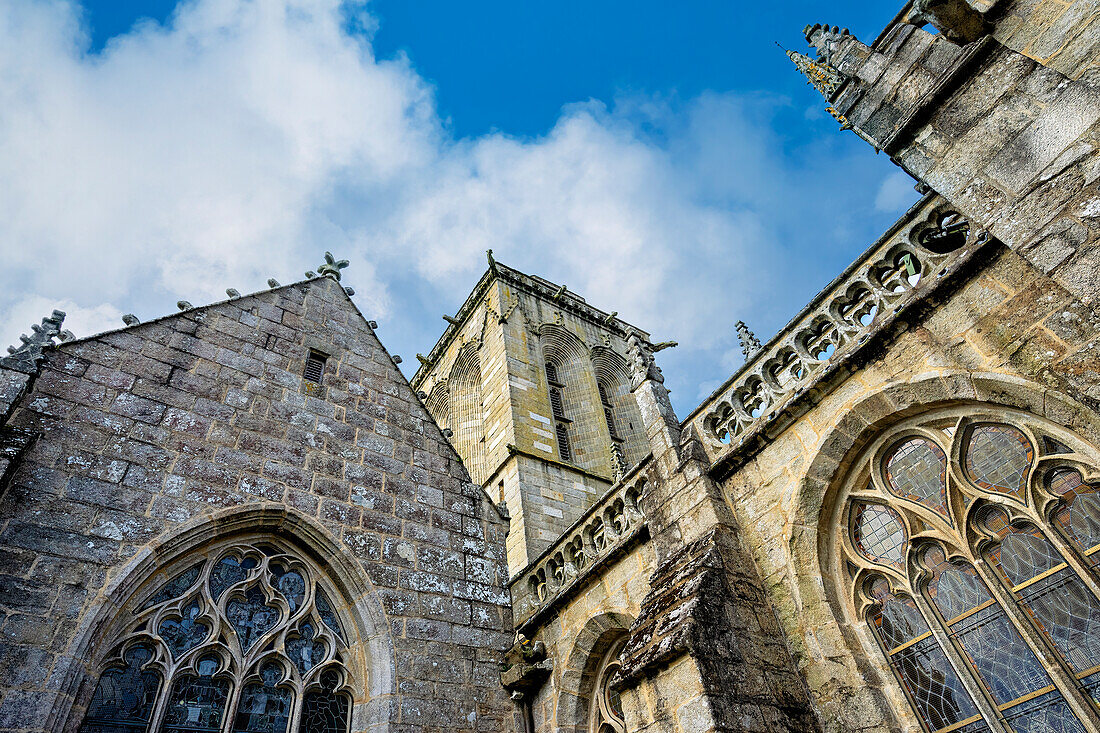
[(325, 711), (228, 571), (1079, 518), (264, 706), (1055, 597), (185, 633), (175, 587), (917, 470), (251, 617), (1047, 713), (230, 609), (879, 534), (124, 697), (998, 458), (305, 651), (1003, 661), (291, 584), (945, 595), (197, 702), (324, 608), (918, 661)]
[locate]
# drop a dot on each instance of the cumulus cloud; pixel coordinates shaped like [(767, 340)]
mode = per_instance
[(245, 137)]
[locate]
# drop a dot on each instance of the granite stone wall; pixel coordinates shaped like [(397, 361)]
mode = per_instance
[(200, 425)]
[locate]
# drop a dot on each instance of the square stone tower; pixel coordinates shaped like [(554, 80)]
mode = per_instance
[(531, 384)]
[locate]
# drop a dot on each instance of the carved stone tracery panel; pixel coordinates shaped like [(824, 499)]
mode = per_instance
[(967, 545), (242, 637)]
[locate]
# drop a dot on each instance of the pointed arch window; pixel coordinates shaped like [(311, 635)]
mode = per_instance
[(606, 715), (242, 639), (969, 552)]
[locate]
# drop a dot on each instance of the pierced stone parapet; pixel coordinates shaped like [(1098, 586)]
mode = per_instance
[(610, 525), (901, 268)]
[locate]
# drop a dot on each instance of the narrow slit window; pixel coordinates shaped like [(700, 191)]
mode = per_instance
[(608, 411), (563, 443), (315, 366)]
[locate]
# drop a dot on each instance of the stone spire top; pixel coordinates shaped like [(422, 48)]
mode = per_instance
[(820, 75), (749, 343)]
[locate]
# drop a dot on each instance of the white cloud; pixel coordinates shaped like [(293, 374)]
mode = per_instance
[(895, 191), (246, 137)]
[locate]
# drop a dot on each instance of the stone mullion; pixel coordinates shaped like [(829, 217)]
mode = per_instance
[(966, 672), (1060, 674)]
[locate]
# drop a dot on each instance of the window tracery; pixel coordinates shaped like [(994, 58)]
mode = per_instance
[(606, 706), (970, 551), (245, 639)]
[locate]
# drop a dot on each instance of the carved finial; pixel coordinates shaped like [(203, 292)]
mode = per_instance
[(372, 324), (183, 305), (447, 432), (272, 282), (311, 274), (823, 77), (610, 317), (422, 359), (28, 354), (492, 262), (560, 292), (66, 335), (421, 394), (130, 319), (826, 40), (233, 292), (350, 291), (642, 364), (397, 359), (331, 267), (749, 343)]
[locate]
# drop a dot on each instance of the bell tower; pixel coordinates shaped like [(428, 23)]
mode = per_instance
[(531, 385)]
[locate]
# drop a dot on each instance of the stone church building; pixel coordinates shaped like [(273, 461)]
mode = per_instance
[(241, 517)]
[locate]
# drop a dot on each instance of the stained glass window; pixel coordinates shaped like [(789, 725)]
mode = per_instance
[(998, 458), (1079, 517), (325, 711), (175, 587), (197, 702), (918, 660), (324, 608), (185, 633), (264, 706), (917, 470), (879, 535), (212, 683), (304, 650), (123, 700), (946, 594), (229, 570), (251, 617)]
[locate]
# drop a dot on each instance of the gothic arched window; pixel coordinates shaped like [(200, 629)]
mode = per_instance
[(606, 714), (244, 638), (970, 551)]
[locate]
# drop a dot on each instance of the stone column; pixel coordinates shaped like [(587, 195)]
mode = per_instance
[(706, 653)]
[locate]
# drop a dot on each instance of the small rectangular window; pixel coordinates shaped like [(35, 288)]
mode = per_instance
[(315, 366)]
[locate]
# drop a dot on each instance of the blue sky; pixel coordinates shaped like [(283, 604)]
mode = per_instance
[(665, 161)]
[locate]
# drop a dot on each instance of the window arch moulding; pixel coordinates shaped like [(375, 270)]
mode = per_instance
[(964, 548)]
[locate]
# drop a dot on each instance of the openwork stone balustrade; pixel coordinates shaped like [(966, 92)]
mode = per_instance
[(928, 244), (608, 526)]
